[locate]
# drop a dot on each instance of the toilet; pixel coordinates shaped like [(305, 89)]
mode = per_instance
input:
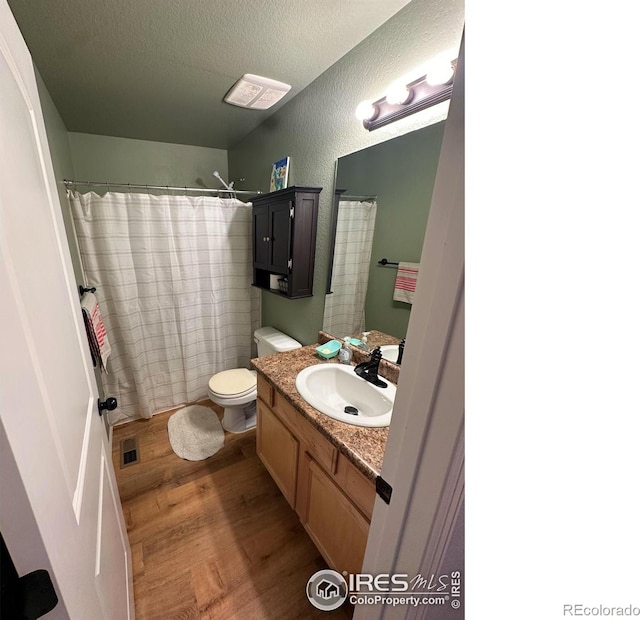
[(236, 390)]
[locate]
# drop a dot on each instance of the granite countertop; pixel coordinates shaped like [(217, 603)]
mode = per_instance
[(363, 446)]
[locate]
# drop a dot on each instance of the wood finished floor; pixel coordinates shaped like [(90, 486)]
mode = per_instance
[(213, 538)]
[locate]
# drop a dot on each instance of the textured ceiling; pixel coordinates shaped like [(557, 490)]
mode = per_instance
[(159, 69)]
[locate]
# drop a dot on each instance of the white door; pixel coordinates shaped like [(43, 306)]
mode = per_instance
[(48, 405)]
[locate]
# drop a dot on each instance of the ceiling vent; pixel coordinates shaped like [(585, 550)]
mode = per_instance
[(256, 92)]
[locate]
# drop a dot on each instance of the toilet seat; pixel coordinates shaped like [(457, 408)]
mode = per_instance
[(233, 383)]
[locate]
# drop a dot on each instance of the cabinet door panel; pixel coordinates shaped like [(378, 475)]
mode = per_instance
[(334, 524), (303, 245), (280, 236), (260, 236), (278, 450)]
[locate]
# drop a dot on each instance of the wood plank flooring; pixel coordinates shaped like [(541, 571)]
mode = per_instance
[(213, 538)]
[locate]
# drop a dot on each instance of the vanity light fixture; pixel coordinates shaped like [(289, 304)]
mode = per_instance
[(429, 89), (256, 92)]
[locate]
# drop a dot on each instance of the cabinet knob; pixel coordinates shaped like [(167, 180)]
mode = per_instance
[(267, 239)]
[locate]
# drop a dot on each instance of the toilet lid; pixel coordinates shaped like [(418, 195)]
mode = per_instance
[(234, 382)]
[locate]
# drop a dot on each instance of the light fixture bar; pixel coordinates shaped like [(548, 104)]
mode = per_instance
[(423, 96)]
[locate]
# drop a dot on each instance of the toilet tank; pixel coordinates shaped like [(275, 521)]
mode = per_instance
[(270, 340)]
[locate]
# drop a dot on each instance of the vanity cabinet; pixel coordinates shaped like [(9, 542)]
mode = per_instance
[(284, 239), (333, 499)]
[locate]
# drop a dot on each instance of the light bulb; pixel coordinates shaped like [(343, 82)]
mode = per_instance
[(398, 93), (366, 111), (439, 70)]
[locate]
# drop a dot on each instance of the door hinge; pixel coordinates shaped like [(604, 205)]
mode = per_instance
[(383, 489), (291, 211), (290, 264)]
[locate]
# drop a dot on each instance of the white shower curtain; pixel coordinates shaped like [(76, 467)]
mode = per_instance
[(344, 309), (173, 279)]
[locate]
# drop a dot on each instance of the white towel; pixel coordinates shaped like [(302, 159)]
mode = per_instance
[(90, 306), (405, 285)]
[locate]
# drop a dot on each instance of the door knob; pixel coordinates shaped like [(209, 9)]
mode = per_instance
[(109, 404)]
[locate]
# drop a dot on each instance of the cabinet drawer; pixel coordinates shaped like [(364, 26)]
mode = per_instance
[(322, 450)]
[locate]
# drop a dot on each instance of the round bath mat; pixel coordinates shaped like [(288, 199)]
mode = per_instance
[(195, 432)]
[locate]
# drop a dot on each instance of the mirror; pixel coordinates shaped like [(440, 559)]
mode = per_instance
[(381, 207)]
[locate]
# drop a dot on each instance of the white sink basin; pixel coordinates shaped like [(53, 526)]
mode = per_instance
[(390, 352), (330, 388)]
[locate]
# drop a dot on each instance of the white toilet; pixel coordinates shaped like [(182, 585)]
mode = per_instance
[(236, 390)]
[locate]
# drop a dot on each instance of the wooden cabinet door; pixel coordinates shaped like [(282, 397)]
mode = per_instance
[(303, 244), (280, 222), (335, 525), (261, 237), (278, 450)]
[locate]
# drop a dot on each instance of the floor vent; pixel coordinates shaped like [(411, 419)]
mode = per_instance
[(129, 452)]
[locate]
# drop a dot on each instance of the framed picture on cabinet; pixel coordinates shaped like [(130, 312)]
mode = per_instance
[(279, 174)]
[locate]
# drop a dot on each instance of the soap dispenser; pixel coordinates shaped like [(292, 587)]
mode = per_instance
[(345, 354), (364, 345)]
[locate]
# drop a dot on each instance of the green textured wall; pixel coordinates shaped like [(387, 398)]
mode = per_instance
[(60, 151), (401, 173), (58, 140), (318, 126), (124, 160)]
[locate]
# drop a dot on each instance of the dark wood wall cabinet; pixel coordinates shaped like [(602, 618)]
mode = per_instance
[(284, 240)]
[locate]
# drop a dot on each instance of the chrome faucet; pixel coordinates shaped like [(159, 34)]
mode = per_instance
[(369, 370)]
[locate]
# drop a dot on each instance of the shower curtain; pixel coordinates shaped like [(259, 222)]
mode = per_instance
[(173, 280), (344, 310)]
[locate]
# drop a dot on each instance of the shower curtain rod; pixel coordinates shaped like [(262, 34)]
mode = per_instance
[(68, 183), (345, 197)]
